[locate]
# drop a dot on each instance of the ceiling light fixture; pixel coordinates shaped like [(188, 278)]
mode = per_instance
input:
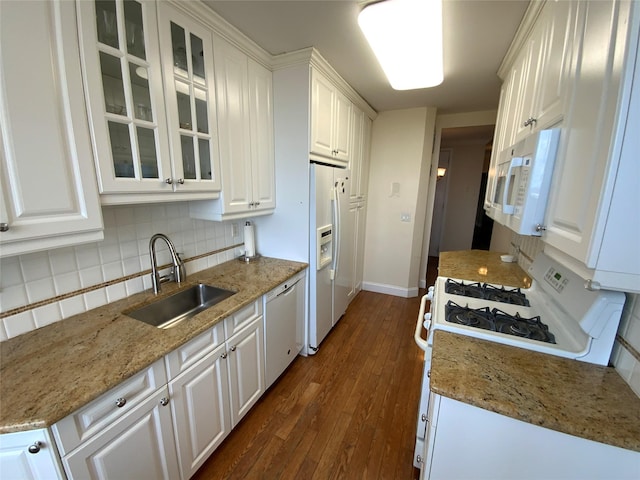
[(406, 37)]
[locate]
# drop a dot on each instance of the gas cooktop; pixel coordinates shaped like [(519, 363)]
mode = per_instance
[(496, 320), (513, 296)]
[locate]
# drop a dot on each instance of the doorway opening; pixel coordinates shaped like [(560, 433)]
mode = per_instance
[(459, 221)]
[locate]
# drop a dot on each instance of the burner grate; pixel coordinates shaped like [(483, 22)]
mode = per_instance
[(498, 321), (513, 296)]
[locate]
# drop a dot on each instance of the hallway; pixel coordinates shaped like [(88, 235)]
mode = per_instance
[(347, 412)]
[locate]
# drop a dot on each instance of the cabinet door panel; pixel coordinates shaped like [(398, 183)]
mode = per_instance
[(342, 127), (201, 410), (140, 445), (262, 151), (246, 369), (123, 83), (578, 186), (16, 462), (187, 49), (45, 144), (231, 90), (322, 114), (554, 63)]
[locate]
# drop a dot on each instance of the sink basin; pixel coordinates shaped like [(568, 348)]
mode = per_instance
[(170, 311)]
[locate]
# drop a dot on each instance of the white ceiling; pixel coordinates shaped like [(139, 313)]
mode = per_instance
[(477, 34)]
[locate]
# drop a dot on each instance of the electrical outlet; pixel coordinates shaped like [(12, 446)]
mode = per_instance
[(234, 230), (405, 217)]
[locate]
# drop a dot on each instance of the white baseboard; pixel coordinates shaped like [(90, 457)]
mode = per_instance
[(390, 289)]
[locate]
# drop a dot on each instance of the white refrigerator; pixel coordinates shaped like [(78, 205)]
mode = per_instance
[(330, 251)]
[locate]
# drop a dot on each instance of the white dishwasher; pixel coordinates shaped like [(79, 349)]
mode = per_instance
[(284, 311)]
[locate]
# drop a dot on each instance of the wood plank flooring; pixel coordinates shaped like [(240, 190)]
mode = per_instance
[(348, 412)]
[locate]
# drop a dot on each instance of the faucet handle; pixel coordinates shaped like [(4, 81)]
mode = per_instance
[(180, 269)]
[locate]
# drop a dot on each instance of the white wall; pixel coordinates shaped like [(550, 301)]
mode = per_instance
[(465, 171), (401, 147), (42, 288)]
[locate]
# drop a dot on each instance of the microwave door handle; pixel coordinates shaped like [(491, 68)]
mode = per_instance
[(506, 207)]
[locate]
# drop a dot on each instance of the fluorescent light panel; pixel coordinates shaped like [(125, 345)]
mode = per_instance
[(406, 37)]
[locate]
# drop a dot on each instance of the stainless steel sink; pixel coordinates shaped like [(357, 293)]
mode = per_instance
[(170, 311)]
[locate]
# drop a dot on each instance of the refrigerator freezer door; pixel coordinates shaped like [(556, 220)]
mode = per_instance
[(320, 284), (343, 273)]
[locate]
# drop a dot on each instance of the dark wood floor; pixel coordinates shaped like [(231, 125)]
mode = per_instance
[(348, 412)]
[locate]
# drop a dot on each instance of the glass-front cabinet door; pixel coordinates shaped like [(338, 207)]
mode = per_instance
[(187, 60), (119, 41)]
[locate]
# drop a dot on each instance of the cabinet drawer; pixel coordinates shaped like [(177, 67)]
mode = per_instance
[(97, 415), (242, 318), (183, 357)]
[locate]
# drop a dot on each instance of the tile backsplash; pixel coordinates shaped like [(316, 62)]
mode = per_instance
[(626, 350), (41, 288)]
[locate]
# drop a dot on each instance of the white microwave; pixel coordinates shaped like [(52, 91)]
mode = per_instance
[(522, 178)]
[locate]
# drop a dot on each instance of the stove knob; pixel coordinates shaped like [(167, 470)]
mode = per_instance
[(430, 294), (427, 321)]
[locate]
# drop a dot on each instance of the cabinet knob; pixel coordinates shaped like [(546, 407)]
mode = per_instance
[(121, 402), (168, 181), (224, 355), (423, 417), (35, 447), (419, 459), (540, 228), (251, 204), (180, 181), (164, 401), (233, 348), (257, 203), (4, 227)]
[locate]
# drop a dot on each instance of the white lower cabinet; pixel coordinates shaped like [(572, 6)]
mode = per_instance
[(139, 445), (201, 410), (161, 423), (29, 455), (246, 369)]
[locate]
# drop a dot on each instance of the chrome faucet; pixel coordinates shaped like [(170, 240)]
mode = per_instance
[(178, 272)]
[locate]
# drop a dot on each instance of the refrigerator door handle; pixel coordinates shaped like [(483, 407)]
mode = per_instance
[(335, 197)]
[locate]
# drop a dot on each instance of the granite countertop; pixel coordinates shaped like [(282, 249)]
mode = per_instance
[(52, 371), (482, 266), (569, 396)]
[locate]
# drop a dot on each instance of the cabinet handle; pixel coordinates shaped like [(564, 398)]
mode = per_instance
[(35, 447), (180, 181), (423, 417), (540, 228), (530, 121), (4, 227), (121, 402), (419, 459), (233, 348), (168, 181), (224, 355), (257, 203), (164, 401), (251, 204)]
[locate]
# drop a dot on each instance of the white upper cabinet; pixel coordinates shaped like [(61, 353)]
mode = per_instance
[(123, 80), (592, 221), (245, 113), (187, 60), (543, 70), (359, 160), (331, 119), (151, 139), (48, 189)]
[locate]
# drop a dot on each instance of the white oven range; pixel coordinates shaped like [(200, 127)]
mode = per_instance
[(557, 315)]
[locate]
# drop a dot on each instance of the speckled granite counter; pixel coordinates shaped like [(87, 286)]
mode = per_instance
[(50, 372), (568, 396), (482, 266)]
